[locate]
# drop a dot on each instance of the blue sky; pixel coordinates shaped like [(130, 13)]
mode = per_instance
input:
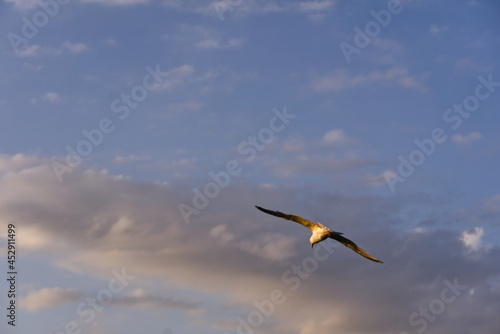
[(195, 111)]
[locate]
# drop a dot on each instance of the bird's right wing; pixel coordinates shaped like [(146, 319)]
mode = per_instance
[(353, 246), (309, 224)]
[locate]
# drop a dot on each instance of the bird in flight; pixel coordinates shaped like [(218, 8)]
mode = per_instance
[(320, 232)]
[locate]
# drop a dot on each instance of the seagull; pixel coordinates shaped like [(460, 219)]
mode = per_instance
[(320, 232)]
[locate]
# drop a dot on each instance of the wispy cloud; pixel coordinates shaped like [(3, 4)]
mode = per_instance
[(51, 97), (23, 4), (337, 137), (177, 76), (117, 2), (381, 179), (472, 238), (435, 29), (130, 159), (37, 50), (492, 204), (75, 47), (218, 44), (48, 297), (341, 80), (187, 106), (138, 298), (471, 137)]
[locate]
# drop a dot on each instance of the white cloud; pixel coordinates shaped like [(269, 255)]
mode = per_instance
[(75, 47), (117, 2), (335, 136), (210, 43), (188, 106), (37, 50), (472, 238), (130, 159), (492, 204), (51, 97), (32, 67), (204, 37), (11, 163), (313, 6), (471, 137), (110, 42), (273, 247), (138, 298), (23, 4), (316, 10), (381, 179), (177, 76), (436, 30), (340, 80), (48, 297)]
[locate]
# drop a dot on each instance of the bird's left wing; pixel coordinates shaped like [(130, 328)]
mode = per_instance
[(353, 246), (309, 224)]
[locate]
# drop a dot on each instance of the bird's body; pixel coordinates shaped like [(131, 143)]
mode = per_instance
[(320, 232)]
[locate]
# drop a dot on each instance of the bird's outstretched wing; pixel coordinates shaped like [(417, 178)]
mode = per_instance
[(353, 246), (309, 224)]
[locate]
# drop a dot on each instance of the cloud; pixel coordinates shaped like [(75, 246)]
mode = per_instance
[(75, 47), (37, 50), (12, 163), (273, 247), (384, 51), (177, 76), (110, 42), (187, 106), (48, 297), (492, 204), (341, 80), (316, 10), (313, 6), (117, 2), (434, 29), (472, 238), (23, 4), (217, 44), (130, 159), (138, 298), (471, 137), (51, 97), (381, 179), (335, 137), (204, 37), (113, 222), (467, 64)]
